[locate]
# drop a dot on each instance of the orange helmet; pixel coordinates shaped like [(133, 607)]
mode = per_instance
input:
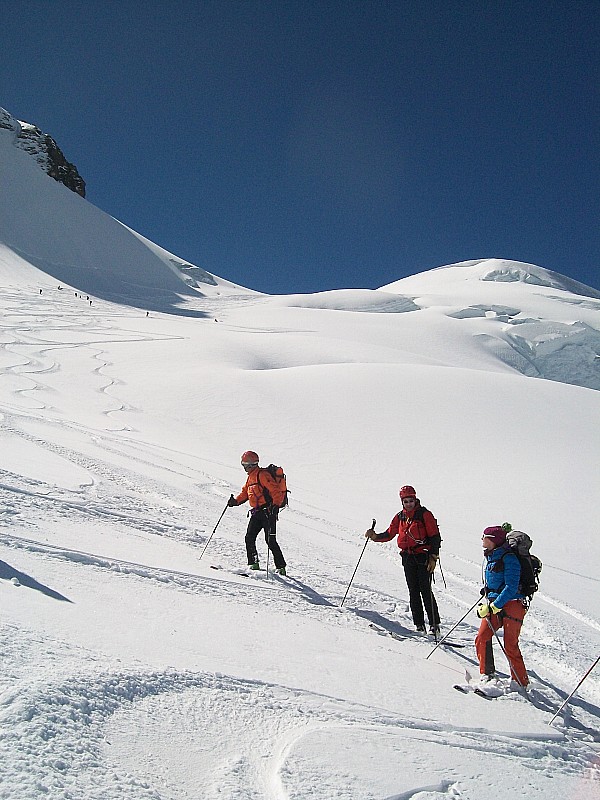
[(249, 458), (407, 491)]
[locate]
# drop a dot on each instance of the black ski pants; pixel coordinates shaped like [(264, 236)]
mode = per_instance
[(420, 591), (263, 519)]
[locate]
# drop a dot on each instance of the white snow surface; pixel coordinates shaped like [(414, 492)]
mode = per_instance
[(137, 662)]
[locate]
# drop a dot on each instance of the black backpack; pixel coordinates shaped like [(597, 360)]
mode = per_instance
[(519, 544)]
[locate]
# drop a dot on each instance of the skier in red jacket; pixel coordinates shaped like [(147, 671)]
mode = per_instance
[(419, 541)]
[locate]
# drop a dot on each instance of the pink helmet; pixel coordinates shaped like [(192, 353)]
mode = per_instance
[(249, 457), (407, 491)]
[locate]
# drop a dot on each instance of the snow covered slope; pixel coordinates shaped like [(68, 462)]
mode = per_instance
[(53, 236), (138, 663)]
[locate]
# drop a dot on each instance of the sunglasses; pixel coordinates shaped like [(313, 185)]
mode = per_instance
[(409, 499)]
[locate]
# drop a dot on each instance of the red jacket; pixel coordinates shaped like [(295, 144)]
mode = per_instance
[(253, 489), (416, 534)]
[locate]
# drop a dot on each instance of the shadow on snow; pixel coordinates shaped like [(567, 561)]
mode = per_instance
[(7, 573)]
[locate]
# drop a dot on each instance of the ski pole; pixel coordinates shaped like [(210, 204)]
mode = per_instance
[(358, 562), (442, 573), (214, 529), (268, 554), (268, 540), (452, 628), (268, 534), (574, 690), (435, 626)]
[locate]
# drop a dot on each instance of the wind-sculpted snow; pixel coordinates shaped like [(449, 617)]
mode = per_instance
[(349, 300), (287, 735), (224, 736)]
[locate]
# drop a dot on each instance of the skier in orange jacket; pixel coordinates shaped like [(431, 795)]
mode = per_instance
[(261, 491)]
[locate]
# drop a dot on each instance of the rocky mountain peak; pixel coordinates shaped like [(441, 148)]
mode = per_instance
[(44, 149)]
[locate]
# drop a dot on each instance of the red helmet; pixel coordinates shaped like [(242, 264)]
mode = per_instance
[(249, 457), (407, 491)]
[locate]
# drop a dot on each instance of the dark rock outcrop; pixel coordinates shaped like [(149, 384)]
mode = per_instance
[(46, 152)]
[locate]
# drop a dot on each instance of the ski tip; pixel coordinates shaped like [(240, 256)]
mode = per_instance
[(481, 693), (460, 688), (378, 629), (469, 689)]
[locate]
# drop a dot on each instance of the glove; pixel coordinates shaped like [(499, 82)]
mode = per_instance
[(232, 502), (370, 534), (483, 610), (494, 609), (431, 562)]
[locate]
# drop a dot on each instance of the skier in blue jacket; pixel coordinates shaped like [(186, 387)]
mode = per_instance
[(503, 606)]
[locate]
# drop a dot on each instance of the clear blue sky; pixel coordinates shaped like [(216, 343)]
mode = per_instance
[(298, 146)]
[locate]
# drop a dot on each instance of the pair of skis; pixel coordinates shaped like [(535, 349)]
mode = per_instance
[(249, 573), (408, 637), (489, 691)]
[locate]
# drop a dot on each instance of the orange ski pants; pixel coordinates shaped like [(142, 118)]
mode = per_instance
[(511, 620)]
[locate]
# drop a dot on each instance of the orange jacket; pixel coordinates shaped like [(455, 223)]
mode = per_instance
[(253, 489), (414, 535)]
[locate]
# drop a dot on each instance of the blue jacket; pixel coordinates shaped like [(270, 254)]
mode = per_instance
[(502, 585)]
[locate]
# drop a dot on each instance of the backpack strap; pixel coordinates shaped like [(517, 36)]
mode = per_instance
[(497, 568), (417, 517), (500, 561)]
